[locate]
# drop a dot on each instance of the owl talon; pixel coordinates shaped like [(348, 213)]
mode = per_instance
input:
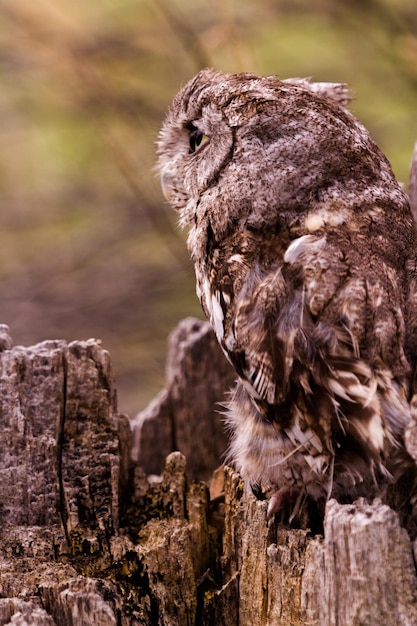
[(278, 499)]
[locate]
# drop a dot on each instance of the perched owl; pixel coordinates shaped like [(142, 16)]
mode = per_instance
[(305, 258)]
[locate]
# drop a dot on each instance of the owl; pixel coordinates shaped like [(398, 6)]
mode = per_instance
[(304, 250)]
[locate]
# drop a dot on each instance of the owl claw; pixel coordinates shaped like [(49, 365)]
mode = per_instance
[(278, 499)]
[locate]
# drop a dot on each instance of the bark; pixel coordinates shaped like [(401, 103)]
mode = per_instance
[(190, 409), (88, 536), (412, 184)]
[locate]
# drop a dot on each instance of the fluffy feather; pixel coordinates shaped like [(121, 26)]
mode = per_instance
[(304, 252)]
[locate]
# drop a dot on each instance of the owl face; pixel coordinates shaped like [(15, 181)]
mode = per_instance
[(195, 145), (246, 149), (217, 139)]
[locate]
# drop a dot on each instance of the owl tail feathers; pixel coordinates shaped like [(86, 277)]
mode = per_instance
[(410, 433), (371, 409)]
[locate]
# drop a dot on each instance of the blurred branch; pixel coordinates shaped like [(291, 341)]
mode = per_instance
[(396, 22), (186, 35), (372, 18), (155, 215), (72, 48)]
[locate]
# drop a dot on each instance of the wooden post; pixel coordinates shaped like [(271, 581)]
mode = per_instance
[(87, 537)]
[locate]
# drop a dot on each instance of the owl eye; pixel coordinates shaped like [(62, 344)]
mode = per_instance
[(197, 139)]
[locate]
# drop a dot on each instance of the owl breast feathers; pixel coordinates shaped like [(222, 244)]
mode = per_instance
[(305, 257)]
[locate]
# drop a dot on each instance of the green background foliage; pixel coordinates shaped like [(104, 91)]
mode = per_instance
[(88, 247)]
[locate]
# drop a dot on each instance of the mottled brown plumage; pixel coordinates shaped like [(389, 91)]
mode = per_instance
[(305, 256)]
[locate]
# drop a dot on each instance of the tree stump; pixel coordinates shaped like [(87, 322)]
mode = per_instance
[(412, 184), (188, 411), (96, 531)]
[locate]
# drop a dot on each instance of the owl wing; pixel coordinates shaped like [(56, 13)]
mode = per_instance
[(297, 331)]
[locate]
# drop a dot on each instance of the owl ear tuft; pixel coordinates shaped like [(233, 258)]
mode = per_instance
[(339, 92)]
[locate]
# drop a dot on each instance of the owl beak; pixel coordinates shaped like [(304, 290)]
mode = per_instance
[(166, 184)]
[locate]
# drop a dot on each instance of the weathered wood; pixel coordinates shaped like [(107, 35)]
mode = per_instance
[(361, 572), (186, 415), (62, 473), (412, 185), (88, 537)]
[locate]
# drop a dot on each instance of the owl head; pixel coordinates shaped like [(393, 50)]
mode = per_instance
[(248, 149)]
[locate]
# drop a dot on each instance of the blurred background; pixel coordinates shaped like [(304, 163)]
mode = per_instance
[(88, 247)]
